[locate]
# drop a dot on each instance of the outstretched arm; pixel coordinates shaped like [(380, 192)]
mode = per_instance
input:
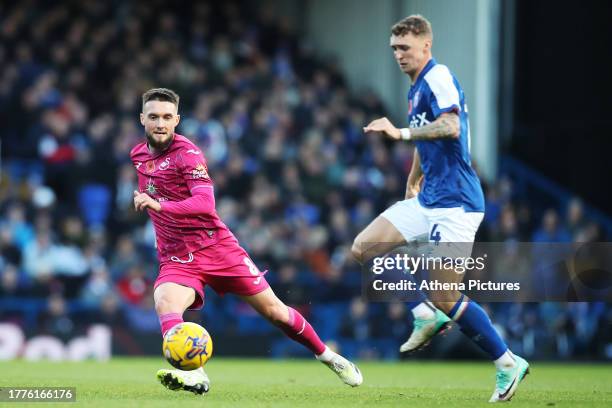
[(446, 126), (201, 202)]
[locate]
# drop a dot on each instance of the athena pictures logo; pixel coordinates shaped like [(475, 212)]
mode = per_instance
[(490, 272)]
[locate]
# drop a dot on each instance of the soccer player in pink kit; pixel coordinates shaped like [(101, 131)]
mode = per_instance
[(195, 248)]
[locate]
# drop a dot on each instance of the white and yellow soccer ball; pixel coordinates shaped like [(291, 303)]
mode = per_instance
[(187, 346)]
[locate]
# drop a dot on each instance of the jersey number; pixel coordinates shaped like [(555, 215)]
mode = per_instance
[(435, 235), (253, 269)]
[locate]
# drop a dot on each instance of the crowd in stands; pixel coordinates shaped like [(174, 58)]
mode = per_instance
[(295, 177)]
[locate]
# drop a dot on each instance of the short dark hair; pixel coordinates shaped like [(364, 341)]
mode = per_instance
[(416, 24), (160, 94)]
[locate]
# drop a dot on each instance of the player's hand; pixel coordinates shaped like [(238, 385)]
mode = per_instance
[(142, 201), (385, 126), (412, 189)]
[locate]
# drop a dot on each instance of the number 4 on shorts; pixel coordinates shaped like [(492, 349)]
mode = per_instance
[(435, 235)]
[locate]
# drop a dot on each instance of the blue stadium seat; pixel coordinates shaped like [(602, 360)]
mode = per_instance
[(94, 202)]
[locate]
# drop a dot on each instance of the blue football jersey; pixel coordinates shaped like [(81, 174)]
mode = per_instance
[(450, 180)]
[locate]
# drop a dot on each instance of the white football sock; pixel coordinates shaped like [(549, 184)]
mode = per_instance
[(326, 355), (423, 311), (505, 361)]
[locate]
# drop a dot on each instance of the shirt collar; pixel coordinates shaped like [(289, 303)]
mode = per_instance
[(425, 70)]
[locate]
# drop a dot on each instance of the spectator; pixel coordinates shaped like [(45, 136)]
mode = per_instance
[(133, 287), (575, 217), (551, 230), (10, 286), (56, 319)]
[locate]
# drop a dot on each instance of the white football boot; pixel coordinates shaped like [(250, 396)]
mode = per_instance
[(195, 381), (424, 330), (347, 371), (508, 380)]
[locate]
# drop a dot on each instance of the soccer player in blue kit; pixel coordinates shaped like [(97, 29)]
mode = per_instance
[(448, 207)]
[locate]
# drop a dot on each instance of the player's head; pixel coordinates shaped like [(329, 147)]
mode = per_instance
[(411, 40), (159, 116)]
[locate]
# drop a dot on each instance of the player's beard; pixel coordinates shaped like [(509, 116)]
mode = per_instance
[(156, 145)]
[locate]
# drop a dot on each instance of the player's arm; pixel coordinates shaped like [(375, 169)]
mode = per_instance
[(201, 202), (192, 166), (446, 126), (413, 186)]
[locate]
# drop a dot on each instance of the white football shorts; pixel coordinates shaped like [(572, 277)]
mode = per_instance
[(448, 225)]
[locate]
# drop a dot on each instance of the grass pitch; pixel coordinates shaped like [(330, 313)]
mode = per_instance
[(305, 383)]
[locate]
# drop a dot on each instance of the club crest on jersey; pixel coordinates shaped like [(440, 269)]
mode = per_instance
[(151, 187), (165, 164), (200, 171), (150, 166)]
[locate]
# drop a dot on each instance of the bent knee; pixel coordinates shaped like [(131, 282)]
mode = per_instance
[(357, 250), (173, 298), (165, 303), (276, 313)]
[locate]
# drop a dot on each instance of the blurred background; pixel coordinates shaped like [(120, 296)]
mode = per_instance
[(276, 94)]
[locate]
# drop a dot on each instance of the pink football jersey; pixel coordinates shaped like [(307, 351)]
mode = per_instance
[(173, 175)]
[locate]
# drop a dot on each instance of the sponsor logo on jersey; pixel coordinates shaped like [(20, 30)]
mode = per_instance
[(419, 120), (200, 171)]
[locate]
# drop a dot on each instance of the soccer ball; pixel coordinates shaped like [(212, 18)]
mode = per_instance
[(187, 346)]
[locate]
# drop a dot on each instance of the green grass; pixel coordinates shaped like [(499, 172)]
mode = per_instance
[(303, 383)]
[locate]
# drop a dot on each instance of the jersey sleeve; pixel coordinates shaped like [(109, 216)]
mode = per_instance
[(201, 202), (195, 170), (444, 96)]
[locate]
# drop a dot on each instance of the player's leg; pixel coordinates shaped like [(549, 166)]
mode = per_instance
[(476, 324), (236, 273), (459, 229), (402, 222), (378, 238), (399, 224), (171, 301), (381, 236), (296, 327)]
